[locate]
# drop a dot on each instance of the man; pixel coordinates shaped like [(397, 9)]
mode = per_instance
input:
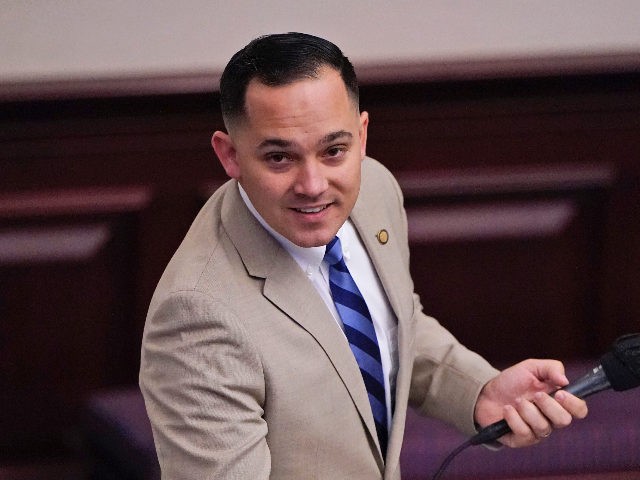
[(251, 364)]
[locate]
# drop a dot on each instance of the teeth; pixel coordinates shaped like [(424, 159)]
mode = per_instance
[(310, 210)]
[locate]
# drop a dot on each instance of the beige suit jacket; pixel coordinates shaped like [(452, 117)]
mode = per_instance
[(245, 373)]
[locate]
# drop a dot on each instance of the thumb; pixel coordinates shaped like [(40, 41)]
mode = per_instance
[(551, 372)]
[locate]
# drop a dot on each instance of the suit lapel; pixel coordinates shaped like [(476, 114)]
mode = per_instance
[(368, 219), (287, 287), (297, 297), (386, 259)]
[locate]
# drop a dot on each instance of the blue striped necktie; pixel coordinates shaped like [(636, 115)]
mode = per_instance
[(358, 327)]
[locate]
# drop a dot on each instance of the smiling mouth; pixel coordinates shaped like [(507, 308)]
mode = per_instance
[(312, 209)]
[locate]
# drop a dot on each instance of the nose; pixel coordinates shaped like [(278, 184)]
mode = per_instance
[(311, 180)]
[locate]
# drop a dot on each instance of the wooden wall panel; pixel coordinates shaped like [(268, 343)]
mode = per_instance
[(511, 259), (434, 132), (68, 283), (523, 196)]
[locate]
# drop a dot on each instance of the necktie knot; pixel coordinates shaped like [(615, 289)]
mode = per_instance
[(333, 253)]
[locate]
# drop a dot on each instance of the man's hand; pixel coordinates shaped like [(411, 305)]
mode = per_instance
[(520, 395)]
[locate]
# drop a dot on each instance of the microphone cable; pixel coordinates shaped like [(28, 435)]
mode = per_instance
[(450, 458), (486, 434)]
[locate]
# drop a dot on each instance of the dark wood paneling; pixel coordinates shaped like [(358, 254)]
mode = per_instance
[(507, 259), (468, 143), (523, 197), (68, 287)]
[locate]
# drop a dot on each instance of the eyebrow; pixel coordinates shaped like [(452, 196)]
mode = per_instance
[(282, 143), (331, 137), (274, 142)]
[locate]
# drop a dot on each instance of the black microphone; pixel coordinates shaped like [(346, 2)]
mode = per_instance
[(619, 369)]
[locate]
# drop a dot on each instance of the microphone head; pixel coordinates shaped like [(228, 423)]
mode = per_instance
[(622, 363)]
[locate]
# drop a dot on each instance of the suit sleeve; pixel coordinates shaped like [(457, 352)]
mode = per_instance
[(204, 389), (447, 377)]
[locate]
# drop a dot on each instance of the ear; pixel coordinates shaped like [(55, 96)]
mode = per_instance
[(226, 152), (364, 123)]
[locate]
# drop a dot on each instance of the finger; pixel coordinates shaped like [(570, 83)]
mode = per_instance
[(574, 405), (557, 416), (535, 418), (521, 435), (528, 426)]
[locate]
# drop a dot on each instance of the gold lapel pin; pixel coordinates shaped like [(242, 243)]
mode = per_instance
[(382, 236)]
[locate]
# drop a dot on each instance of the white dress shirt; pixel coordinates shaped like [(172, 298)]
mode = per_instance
[(359, 264)]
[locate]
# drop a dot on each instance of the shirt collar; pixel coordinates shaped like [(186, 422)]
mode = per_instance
[(308, 258)]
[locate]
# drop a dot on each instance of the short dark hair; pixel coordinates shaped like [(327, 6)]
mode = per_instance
[(277, 60)]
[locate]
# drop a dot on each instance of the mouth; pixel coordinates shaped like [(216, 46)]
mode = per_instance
[(309, 210)]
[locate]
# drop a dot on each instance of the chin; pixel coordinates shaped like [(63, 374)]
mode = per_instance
[(311, 243), (313, 240)]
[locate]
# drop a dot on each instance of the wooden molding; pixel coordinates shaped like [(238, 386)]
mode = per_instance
[(401, 72), (79, 201), (501, 180), (489, 222), (20, 246), (501, 68)]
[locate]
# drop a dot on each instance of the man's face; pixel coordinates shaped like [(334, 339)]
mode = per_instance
[(298, 155)]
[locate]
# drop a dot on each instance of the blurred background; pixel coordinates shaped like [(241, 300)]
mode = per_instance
[(513, 128)]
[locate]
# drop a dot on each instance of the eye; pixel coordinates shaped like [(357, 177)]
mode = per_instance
[(276, 157), (278, 160), (336, 151)]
